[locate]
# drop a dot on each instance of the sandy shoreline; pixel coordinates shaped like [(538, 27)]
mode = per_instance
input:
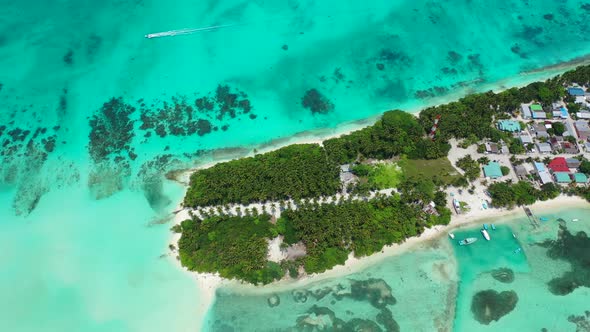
[(208, 283), (354, 264)]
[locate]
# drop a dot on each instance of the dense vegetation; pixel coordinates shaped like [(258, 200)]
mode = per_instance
[(396, 133), (470, 167), (331, 231), (296, 171), (506, 194), (236, 247)]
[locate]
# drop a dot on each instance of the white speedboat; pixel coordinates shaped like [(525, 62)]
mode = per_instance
[(575, 219), (486, 235), (451, 235), (467, 241)]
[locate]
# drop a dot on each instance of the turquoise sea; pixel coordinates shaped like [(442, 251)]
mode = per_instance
[(432, 287), (92, 115)]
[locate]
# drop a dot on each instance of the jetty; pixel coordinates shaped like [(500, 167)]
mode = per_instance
[(532, 219)]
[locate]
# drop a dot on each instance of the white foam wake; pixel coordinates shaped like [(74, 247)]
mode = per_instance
[(180, 32)]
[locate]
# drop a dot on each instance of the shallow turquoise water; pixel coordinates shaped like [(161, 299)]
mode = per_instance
[(88, 264), (433, 284), (537, 307), (421, 282)]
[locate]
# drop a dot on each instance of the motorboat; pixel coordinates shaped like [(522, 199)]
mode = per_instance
[(467, 241), (451, 235), (514, 235), (485, 226), (517, 250), (485, 234), (575, 219), (493, 227)]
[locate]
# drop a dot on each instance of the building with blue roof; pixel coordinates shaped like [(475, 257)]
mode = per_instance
[(564, 113), (562, 177), (509, 125), (575, 91), (540, 167), (492, 170), (580, 178)]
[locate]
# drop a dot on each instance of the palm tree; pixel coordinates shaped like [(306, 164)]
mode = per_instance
[(273, 208)]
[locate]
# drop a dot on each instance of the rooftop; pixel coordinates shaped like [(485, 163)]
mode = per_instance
[(492, 170), (580, 178), (545, 177), (575, 91), (509, 125), (540, 167), (526, 139), (562, 177), (559, 164), (544, 147), (536, 107)]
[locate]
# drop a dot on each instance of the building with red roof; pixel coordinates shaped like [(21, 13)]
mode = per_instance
[(559, 164)]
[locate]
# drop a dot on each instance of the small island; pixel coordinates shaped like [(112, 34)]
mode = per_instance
[(306, 208)]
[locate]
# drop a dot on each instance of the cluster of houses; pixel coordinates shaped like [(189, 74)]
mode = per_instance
[(560, 170), (541, 131), (548, 131)]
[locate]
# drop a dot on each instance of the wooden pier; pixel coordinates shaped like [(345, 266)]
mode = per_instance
[(532, 219)]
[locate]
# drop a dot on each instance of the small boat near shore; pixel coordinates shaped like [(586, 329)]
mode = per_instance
[(452, 236), (485, 226), (575, 219), (486, 235), (493, 227), (467, 241)]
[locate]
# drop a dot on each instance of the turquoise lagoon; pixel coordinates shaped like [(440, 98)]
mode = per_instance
[(433, 285), (82, 193)]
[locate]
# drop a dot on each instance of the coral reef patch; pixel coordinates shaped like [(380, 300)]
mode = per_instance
[(582, 321), (489, 305), (316, 102), (573, 249)]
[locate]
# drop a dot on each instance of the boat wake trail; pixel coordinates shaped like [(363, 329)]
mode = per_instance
[(180, 32)]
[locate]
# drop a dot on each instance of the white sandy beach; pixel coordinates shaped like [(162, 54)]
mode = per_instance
[(208, 283)]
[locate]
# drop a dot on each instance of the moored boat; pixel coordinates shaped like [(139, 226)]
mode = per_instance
[(467, 241), (485, 226), (493, 227), (451, 235), (485, 234), (575, 219)]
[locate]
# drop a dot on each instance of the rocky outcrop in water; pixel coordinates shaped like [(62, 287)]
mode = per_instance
[(504, 275), (273, 301), (489, 305)]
